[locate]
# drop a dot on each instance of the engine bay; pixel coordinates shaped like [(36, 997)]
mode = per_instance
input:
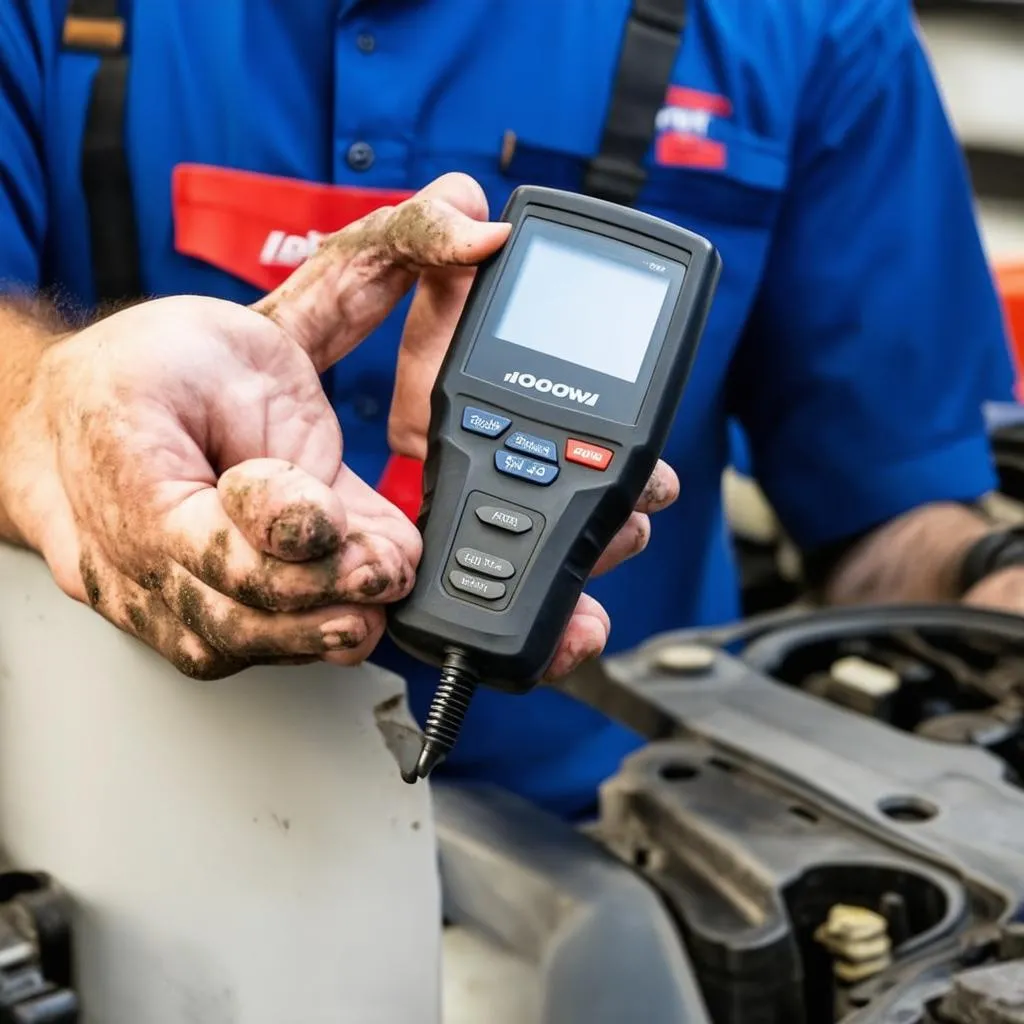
[(829, 812)]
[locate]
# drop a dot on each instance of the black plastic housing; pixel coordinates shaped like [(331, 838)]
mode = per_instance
[(511, 642)]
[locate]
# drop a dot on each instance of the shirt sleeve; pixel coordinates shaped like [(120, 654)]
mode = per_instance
[(26, 51), (877, 335)]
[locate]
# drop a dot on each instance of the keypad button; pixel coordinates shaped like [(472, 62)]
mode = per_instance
[(538, 447), (480, 421), (586, 453), (489, 565), (541, 473), (489, 590), (504, 519)]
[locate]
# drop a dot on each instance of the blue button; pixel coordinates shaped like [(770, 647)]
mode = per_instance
[(529, 469), (480, 421), (536, 446)]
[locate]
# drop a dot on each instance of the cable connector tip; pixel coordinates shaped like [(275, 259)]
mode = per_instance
[(430, 757), (447, 710)]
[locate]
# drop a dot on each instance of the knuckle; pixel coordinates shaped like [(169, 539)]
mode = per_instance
[(265, 593), (195, 659), (207, 667)]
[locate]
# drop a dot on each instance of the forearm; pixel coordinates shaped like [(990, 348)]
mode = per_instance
[(915, 558), (27, 329)]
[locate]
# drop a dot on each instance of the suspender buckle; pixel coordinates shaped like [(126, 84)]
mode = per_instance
[(94, 35)]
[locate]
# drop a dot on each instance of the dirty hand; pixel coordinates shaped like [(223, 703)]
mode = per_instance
[(196, 494)]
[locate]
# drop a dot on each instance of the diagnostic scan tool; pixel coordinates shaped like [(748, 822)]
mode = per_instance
[(548, 416)]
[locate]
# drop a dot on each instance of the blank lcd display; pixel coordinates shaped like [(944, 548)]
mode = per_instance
[(584, 307)]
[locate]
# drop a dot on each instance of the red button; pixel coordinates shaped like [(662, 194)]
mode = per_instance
[(587, 454)]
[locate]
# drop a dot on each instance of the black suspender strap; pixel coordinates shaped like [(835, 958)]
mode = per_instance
[(648, 55), (95, 26)]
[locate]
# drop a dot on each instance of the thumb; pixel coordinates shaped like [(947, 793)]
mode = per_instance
[(282, 511), (358, 275)]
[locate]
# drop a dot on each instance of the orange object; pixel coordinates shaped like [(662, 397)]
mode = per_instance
[(1010, 281), (586, 453)]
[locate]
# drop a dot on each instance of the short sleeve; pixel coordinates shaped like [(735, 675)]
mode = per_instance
[(27, 41), (877, 335)]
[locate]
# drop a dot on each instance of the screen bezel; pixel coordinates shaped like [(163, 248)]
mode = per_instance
[(491, 359)]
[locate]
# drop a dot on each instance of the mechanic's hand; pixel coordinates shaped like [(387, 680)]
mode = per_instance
[(434, 312), (188, 479), (196, 495)]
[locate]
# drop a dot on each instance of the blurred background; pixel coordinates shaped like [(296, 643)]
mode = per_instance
[(977, 51), (977, 48)]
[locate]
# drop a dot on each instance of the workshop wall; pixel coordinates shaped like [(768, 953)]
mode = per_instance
[(977, 47)]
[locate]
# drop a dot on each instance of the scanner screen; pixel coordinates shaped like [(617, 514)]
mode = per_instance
[(597, 308)]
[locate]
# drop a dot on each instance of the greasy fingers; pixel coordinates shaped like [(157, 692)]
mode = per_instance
[(250, 635), (661, 490), (347, 288), (208, 636), (144, 615), (282, 511), (629, 541), (363, 568), (584, 638)]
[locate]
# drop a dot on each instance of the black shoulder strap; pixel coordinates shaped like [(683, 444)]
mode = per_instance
[(95, 26), (648, 55)]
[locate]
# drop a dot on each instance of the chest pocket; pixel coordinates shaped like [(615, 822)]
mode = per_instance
[(673, 151), (744, 192), (692, 162)]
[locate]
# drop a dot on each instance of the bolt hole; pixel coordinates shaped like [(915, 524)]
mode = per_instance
[(721, 764), (803, 812), (676, 771), (641, 857), (909, 809)]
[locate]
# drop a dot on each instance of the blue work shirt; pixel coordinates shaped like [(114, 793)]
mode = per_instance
[(855, 335)]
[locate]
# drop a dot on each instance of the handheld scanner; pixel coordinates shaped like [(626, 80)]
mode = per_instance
[(548, 416)]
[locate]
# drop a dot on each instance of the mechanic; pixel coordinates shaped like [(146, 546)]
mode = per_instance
[(855, 336)]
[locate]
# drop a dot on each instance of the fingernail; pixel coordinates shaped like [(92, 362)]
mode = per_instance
[(368, 581), (344, 633)]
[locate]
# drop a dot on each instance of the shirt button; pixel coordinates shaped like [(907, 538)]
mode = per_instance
[(360, 156), (366, 42)]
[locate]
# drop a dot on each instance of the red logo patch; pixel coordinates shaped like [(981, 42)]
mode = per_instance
[(259, 227), (683, 126)]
